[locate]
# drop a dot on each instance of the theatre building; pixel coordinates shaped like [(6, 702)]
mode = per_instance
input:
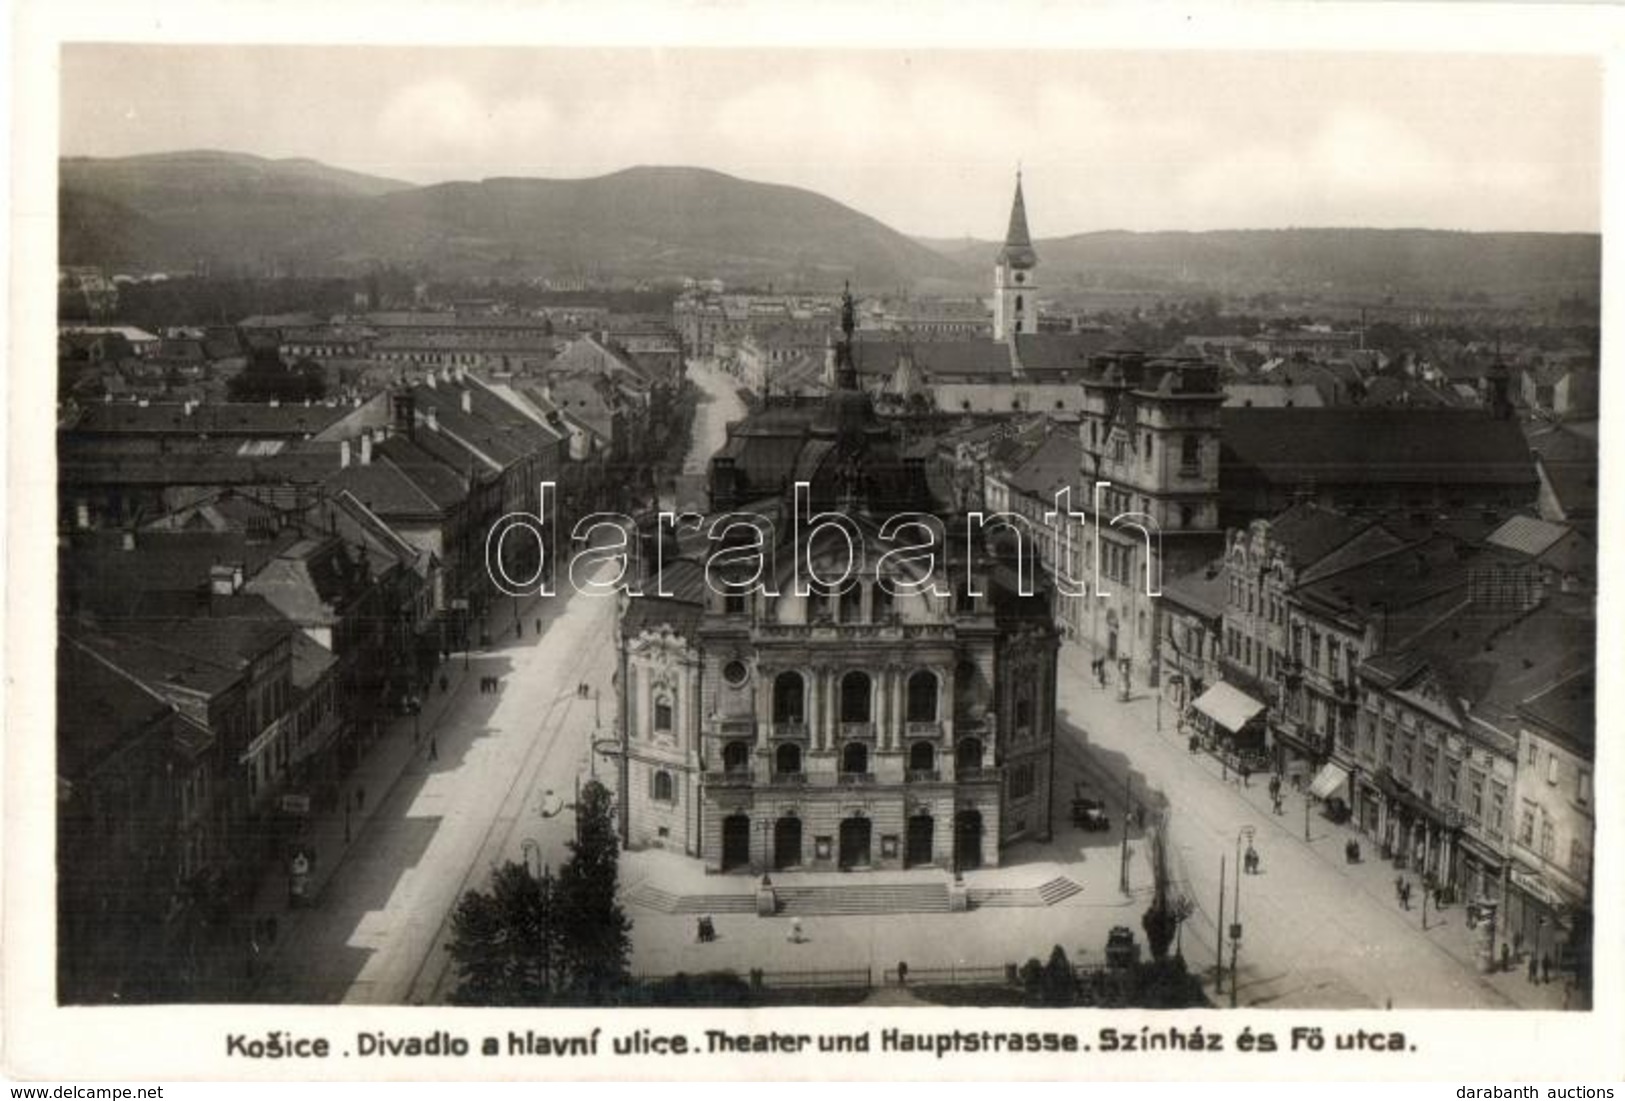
[(888, 724)]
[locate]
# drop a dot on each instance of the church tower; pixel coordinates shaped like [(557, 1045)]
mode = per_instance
[(1015, 294)]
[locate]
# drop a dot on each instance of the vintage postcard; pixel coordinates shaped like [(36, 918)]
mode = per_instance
[(995, 543)]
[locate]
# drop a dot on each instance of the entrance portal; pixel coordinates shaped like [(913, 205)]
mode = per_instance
[(921, 832), (787, 843), (968, 839), (735, 842), (854, 843)]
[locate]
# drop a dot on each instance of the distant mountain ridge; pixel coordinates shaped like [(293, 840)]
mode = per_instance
[(1403, 261), (230, 209), (168, 211)]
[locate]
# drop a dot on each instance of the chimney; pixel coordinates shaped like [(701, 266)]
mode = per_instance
[(344, 454), (468, 401), (366, 449)]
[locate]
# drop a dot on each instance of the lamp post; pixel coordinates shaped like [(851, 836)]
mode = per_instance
[(1218, 967), (1246, 833), (1128, 797)]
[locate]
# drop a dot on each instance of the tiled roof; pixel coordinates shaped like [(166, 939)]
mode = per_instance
[(233, 418), (1202, 590), (97, 574), (1057, 462), (1387, 445), (98, 706), (1527, 535), (1302, 395), (1568, 708), (1309, 532)]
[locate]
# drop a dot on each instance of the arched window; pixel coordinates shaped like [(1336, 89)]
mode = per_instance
[(787, 758), (664, 790), (855, 695), (736, 757), (922, 697), (969, 754), (922, 757), (855, 757), (789, 698), (663, 715)]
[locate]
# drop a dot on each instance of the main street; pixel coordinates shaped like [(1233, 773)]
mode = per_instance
[(489, 781), (489, 778), (1316, 931)]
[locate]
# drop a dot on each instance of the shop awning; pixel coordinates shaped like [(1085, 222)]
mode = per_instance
[(1227, 706), (1328, 781)]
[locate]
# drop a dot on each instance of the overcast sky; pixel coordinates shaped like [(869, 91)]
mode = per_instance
[(926, 142)]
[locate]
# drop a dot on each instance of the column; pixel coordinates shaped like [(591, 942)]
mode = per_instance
[(815, 709)]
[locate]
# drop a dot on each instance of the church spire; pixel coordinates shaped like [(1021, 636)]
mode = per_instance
[(1018, 243), (846, 372)]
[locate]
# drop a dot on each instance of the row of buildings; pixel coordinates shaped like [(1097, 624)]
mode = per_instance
[(1392, 604), (250, 591)]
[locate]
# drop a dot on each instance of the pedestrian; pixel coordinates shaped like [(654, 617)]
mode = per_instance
[(443, 684), (699, 929), (1546, 967), (1532, 967), (434, 749), (538, 625), (797, 937), (1506, 956), (1277, 800), (1407, 896), (518, 629), (1246, 775)]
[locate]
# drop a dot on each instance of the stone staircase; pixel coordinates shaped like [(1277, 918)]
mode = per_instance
[(849, 898), (1045, 894), (651, 897), (864, 898)]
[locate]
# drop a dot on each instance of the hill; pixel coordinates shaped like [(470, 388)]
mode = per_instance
[(1437, 263), (635, 224)]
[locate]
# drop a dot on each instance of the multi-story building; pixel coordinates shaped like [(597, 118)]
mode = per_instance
[(1554, 837), (886, 724)]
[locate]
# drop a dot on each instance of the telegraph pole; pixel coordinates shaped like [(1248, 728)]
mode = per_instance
[(1128, 797)]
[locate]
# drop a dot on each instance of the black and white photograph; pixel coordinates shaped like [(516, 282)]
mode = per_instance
[(981, 531)]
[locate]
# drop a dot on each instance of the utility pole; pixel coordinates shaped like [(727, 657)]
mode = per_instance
[(1128, 795), (1218, 968)]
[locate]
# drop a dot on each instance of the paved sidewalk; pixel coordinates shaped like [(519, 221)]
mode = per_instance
[(1372, 878), (364, 792)]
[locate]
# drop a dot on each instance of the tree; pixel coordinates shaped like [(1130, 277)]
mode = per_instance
[(504, 942), (1161, 920), (595, 935)]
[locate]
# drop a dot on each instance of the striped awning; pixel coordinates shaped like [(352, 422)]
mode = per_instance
[(1328, 781), (1230, 707)]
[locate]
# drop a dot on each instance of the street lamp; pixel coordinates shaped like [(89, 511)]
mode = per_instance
[(1246, 833), (1128, 801)]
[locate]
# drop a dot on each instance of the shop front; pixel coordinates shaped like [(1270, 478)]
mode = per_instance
[(1232, 722)]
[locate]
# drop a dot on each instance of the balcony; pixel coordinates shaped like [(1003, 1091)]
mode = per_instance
[(855, 779), (924, 776), (790, 779), (739, 779), (932, 729), (977, 775), (795, 729), (864, 731)]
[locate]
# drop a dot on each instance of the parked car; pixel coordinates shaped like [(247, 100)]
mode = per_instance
[(1090, 814)]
